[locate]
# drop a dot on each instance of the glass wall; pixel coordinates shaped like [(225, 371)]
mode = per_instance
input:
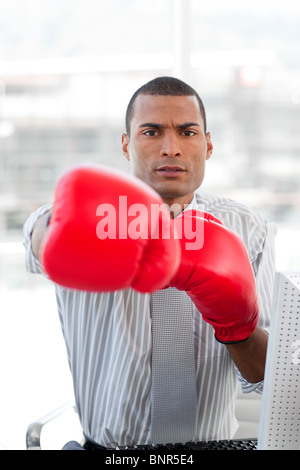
[(67, 71)]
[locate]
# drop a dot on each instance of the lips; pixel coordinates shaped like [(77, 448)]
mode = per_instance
[(170, 170)]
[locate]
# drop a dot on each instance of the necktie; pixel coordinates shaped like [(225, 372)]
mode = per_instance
[(173, 411)]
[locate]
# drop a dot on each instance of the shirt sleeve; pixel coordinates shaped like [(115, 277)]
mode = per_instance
[(264, 269), (31, 262)]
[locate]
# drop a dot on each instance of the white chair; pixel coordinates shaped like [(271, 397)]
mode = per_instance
[(248, 409)]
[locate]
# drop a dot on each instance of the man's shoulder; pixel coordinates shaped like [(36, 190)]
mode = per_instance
[(238, 217), (226, 206)]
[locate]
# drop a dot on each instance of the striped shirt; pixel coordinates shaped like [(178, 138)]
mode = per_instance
[(109, 344)]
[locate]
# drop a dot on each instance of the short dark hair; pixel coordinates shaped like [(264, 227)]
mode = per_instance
[(164, 86)]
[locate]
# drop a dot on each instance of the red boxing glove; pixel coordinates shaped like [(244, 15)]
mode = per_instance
[(218, 277), (100, 237)]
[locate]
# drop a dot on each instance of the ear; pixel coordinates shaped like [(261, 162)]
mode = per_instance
[(125, 142), (209, 146)]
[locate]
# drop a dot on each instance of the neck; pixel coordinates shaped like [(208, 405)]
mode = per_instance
[(177, 205)]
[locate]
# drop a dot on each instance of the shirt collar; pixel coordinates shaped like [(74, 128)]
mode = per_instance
[(191, 205)]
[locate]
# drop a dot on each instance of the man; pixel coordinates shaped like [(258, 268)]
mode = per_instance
[(108, 334)]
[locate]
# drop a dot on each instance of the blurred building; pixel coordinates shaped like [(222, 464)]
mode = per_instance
[(52, 121)]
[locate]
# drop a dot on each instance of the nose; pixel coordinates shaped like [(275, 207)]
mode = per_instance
[(170, 146)]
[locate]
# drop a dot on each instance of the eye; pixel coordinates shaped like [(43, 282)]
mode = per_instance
[(150, 133), (188, 133)]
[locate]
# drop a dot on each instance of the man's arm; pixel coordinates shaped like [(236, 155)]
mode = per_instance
[(38, 233), (219, 281), (250, 356), (89, 234)]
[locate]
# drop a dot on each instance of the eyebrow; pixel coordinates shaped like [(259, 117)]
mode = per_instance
[(151, 124), (186, 125), (155, 125)]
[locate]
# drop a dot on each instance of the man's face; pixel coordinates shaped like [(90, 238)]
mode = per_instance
[(168, 146)]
